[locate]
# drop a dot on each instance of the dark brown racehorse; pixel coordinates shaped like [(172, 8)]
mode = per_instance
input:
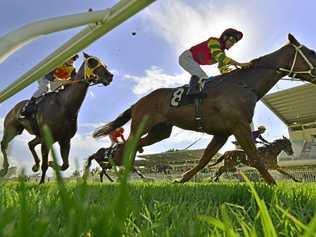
[(269, 154), (106, 158), (58, 111), (228, 108)]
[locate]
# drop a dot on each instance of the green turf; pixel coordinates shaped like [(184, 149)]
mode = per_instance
[(155, 209)]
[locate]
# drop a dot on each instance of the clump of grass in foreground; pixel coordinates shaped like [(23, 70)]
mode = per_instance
[(155, 209)]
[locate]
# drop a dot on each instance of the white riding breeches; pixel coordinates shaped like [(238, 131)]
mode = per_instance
[(187, 62)]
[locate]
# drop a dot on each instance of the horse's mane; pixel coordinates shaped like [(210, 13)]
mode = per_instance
[(267, 146), (262, 62)]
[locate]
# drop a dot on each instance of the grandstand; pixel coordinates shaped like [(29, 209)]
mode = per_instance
[(296, 107)]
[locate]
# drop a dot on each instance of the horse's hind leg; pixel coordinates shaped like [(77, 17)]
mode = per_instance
[(243, 136), (64, 151), (4, 146), (8, 134), (287, 174), (157, 133), (32, 144)]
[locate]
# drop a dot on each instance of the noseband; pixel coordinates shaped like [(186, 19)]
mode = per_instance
[(292, 73)]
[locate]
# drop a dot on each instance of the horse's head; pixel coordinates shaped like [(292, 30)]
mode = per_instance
[(285, 145), (95, 72), (301, 63)]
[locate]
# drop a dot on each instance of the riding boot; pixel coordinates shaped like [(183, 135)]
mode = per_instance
[(28, 108), (194, 87)]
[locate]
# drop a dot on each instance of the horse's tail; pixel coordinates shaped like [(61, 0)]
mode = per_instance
[(219, 160), (111, 126)]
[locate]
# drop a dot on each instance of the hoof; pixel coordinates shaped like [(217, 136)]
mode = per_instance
[(64, 167), (3, 172), (140, 150), (35, 168), (53, 165), (178, 181)]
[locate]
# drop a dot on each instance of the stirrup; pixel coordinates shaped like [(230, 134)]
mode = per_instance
[(198, 115)]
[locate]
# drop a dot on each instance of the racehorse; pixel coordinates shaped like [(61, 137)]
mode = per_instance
[(228, 108), (106, 157), (269, 154), (58, 111)]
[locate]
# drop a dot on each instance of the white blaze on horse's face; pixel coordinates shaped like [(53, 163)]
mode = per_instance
[(95, 71)]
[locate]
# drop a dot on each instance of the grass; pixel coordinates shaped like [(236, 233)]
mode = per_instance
[(158, 208)]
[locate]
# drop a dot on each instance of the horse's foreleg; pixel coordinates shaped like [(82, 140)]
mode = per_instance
[(32, 144), (212, 148), (64, 152), (243, 136), (44, 162), (218, 173), (287, 174), (139, 173), (101, 176), (106, 174)]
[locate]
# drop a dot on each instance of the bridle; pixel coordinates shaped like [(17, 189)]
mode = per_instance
[(88, 72), (292, 73)]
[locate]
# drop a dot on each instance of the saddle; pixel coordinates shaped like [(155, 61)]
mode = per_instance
[(180, 97)]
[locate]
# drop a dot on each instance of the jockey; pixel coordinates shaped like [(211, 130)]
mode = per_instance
[(209, 52), (62, 75), (257, 134), (117, 133), (114, 136)]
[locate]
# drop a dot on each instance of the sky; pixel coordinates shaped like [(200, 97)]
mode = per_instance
[(148, 60)]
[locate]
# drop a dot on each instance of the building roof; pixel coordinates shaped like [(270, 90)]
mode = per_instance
[(295, 105)]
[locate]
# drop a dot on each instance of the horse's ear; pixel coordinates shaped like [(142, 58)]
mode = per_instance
[(293, 40), (86, 55)]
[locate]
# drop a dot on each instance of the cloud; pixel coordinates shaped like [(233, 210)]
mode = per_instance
[(155, 78), (183, 25)]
